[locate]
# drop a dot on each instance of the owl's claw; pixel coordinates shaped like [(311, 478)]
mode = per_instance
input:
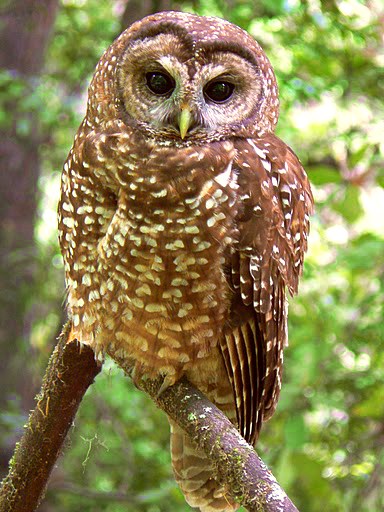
[(167, 382), (137, 374)]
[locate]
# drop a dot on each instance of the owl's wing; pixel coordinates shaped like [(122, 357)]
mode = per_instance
[(273, 223)]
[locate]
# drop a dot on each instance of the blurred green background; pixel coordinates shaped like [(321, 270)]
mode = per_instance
[(325, 443)]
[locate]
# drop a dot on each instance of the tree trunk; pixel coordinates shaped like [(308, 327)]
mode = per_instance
[(25, 28), (137, 9)]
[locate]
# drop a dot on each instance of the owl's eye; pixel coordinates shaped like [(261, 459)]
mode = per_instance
[(160, 83), (218, 90)]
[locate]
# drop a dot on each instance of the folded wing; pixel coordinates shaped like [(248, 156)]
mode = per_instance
[(275, 202)]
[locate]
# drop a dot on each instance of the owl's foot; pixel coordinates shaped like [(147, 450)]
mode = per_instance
[(71, 335), (140, 374), (167, 382)]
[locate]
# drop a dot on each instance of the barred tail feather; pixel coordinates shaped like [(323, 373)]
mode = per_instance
[(195, 475)]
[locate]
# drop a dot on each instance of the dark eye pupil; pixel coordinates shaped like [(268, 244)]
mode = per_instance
[(159, 83), (219, 91)]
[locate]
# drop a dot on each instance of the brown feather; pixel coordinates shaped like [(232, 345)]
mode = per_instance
[(273, 228)]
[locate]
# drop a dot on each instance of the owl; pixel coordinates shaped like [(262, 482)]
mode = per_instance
[(183, 223)]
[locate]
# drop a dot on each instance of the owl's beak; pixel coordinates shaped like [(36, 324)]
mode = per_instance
[(185, 121)]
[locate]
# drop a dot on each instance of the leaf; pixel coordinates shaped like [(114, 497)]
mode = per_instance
[(364, 253), (380, 178), (359, 155), (373, 406), (322, 174), (295, 432), (350, 205), (286, 468)]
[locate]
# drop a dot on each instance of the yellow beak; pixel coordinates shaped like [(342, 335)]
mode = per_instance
[(185, 120)]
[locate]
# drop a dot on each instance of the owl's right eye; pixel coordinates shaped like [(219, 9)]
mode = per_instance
[(159, 83)]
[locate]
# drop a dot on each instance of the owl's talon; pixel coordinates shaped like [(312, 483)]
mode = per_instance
[(167, 382), (71, 335), (136, 375)]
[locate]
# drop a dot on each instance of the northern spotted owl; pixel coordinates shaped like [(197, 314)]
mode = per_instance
[(183, 221)]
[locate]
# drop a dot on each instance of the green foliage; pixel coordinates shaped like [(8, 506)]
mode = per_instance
[(325, 442)]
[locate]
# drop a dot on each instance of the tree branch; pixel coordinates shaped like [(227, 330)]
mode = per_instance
[(72, 368), (237, 464)]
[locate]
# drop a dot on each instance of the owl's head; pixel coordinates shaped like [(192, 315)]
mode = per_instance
[(184, 78)]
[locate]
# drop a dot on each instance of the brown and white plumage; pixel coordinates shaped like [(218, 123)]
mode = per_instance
[(183, 221)]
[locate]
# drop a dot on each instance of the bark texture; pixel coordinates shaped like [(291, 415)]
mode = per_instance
[(137, 9), (71, 370), (237, 464)]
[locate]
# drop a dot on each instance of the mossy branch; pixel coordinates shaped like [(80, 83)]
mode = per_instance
[(237, 464), (71, 370)]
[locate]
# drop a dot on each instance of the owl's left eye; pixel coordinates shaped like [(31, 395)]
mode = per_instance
[(219, 91), (160, 83)]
